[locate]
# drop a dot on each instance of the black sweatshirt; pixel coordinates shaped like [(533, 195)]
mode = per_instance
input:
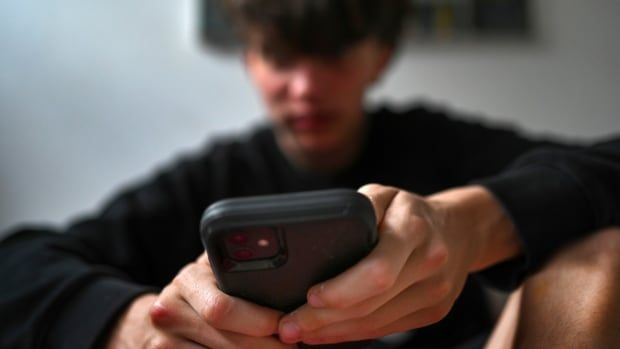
[(66, 290)]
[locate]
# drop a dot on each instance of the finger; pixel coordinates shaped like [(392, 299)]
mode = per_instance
[(411, 304), (401, 231), (198, 287), (380, 196), (241, 341), (164, 341), (422, 318), (174, 316), (420, 266)]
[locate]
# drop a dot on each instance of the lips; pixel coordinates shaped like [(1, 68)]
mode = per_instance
[(311, 122)]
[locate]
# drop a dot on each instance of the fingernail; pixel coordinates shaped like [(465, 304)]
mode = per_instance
[(290, 331), (315, 300)]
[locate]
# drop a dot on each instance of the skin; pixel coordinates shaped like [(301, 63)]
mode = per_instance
[(427, 245), (584, 278), (316, 104)]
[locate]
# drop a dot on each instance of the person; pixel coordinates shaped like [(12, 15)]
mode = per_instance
[(459, 203)]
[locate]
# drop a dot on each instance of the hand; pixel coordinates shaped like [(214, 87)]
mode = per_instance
[(426, 248), (191, 312)]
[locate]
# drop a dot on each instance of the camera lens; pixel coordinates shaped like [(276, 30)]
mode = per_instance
[(238, 238), (243, 254), (249, 244)]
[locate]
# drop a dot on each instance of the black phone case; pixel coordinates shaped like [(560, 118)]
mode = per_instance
[(321, 233)]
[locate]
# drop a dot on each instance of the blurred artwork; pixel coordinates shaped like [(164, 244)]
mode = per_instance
[(469, 19), (430, 21), (214, 27)]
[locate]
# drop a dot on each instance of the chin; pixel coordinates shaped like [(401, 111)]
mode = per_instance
[(317, 144)]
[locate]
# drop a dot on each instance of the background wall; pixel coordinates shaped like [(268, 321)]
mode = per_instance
[(94, 94)]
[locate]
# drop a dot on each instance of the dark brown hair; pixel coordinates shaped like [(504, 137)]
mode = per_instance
[(317, 27)]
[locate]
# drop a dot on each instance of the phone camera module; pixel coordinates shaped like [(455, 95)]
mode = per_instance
[(238, 239), (243, 254), (263, 243), (252, 243)]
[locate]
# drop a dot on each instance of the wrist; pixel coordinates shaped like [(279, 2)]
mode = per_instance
[(478, 220), (129, 328)]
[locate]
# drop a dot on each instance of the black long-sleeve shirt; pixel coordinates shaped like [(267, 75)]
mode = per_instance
[(66, 290)]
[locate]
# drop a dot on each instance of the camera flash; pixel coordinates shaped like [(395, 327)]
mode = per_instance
[(263, 242)]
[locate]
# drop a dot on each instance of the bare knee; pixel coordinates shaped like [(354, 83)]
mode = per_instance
[(605, 250), (576, 296), (589, 268), (598, 256), (601, 256), (573, 301)]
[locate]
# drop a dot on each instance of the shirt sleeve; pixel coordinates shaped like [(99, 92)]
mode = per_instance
[(554, 196), (64, 289)]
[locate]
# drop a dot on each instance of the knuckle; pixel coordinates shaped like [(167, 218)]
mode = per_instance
[(438, 313), (442, 290), (160, 314), (178, 280), (380, 275), (371, 187), (216, 308), (418, 224), (439, 255), (265, 327), (405, 197), (160, 342), (417, 229)]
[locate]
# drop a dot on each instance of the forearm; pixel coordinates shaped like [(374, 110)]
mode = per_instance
[(554, 197), (473, 210), (48, 292)]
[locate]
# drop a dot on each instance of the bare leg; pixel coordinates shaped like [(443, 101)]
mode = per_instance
[(573, 302), (503, 335)]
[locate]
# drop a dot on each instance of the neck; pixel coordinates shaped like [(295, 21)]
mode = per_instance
[(328, 161)]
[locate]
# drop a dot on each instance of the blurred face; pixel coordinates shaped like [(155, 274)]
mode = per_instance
[(315, 103)]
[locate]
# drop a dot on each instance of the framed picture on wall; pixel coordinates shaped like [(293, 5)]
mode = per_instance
[(453, 19), (214, 27), (430, 20)]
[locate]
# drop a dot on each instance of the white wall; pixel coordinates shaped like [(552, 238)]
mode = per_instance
[(93, 94), (567, 81)]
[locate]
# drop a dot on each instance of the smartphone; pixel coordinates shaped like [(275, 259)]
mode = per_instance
[(271, 249)]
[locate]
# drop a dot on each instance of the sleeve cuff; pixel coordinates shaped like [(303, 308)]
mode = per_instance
[(547, 208), (90, 313)]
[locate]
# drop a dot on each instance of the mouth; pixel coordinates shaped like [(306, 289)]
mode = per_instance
[(310, 122)]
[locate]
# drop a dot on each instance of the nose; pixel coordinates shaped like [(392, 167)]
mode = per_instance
[(306, 81)]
